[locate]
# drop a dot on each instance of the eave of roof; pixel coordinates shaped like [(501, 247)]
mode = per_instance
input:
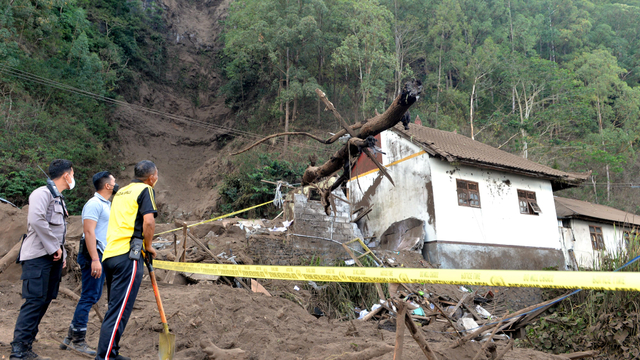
[(434, 141), (583, 210)]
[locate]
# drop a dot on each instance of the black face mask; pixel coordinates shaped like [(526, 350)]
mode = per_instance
[(116, 187)]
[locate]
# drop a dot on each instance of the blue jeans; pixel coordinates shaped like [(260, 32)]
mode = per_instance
[(91, 293)]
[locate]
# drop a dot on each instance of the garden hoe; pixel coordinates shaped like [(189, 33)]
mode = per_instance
[(167, 344)]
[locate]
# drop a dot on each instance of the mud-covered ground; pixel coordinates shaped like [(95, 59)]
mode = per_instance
[(263, 327)]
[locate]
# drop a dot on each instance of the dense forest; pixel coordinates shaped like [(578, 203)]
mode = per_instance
[(555, 81), (97, 46)]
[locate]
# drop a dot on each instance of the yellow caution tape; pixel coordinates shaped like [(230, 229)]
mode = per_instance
[(217, 218), (518, 278)]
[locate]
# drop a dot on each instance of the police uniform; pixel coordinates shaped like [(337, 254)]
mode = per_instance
[(46, 230), (123, 275)]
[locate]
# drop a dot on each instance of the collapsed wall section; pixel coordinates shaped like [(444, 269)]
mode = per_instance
[(315, 231)]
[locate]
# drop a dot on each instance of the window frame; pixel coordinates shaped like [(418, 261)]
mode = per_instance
[(633, 233), (467, 191), (531, 202), (598, 244)]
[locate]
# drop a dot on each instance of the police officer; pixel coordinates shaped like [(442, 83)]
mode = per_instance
[(42, 256), (131, 224), (95, 219)]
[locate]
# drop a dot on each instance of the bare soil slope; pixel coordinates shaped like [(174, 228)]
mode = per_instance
[(187, 153)]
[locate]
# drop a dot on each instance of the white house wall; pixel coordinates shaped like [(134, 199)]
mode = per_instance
[(409, 198), (498, 221), (493, 236), (582, 248)]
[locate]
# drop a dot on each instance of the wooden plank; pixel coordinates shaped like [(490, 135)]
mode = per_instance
[(171, 275)]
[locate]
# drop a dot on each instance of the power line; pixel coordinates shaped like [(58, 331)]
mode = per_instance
[(9, 70)]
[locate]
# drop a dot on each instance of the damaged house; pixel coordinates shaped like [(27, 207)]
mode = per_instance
[(587, 230), (463, 203)]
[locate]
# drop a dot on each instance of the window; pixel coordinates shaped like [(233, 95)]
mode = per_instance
[(597, 241), (468, 193), (631, 235), (528, 203)]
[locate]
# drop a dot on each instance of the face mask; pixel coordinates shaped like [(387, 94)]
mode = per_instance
[(116, 187), (154, 183), (72, 184)]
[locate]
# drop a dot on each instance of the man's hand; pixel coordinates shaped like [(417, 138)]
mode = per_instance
[(58, 255), (96, 269), (151, 252)]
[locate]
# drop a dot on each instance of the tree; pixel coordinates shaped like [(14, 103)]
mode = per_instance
[(600, 74), (365, 50)]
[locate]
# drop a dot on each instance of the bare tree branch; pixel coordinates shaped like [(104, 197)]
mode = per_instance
[(277, 135)]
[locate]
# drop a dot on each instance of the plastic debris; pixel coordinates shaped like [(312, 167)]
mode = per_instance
[(296, 288), (349, 262), (363, 313), (419, 312), (468, 323), (482, 312), (316, 287)]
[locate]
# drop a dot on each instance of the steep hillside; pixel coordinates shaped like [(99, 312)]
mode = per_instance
[(188, 154)]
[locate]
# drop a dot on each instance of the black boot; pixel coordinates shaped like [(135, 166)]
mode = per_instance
[(21, 351), (67, 341), (77, 342), (18, 351)]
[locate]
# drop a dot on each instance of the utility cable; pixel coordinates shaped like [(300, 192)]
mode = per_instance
[(6, 69)]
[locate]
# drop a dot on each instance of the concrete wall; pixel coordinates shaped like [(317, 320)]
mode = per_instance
[(455, 255), (581, 241), (411, 197)]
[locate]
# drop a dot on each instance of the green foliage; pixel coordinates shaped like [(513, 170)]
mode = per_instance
[(555, 81), (89, 45), (339, 300), (595, 319), (245, 188)]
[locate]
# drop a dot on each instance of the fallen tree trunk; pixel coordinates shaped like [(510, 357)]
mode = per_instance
[(394, 114)]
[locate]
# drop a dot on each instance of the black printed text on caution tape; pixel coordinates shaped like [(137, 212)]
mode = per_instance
[(517, 278)]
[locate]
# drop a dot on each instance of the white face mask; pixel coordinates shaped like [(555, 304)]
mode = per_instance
[(72, 184)]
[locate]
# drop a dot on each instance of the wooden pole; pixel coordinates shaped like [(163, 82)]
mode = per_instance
[(419, 338), (184, 245), (400, 324), (175, 244)]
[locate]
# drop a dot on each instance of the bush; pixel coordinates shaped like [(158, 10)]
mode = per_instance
[(245, 189)]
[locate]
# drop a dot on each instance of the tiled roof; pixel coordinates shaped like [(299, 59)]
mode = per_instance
[(459, 148), (570, 208)]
